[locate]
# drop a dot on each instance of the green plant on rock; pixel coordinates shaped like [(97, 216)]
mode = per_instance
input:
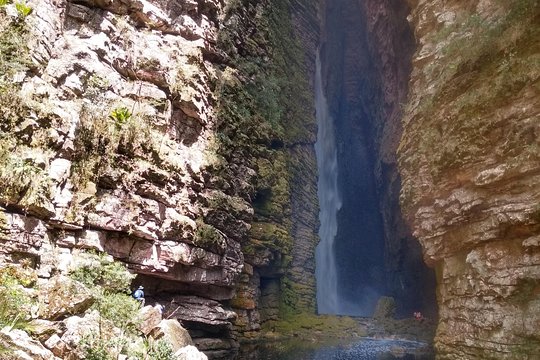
[(22, 182), (487, 62), (120, 116), (95, 347), (14, 54), (109, 282), (22, 9), (208, 237), (103, 140), (160, 350), (120, 309), (15, 303), (96, 86), (101, 270)]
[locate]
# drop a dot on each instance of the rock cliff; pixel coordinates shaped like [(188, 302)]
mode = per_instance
[(469, 162), (170, 136)]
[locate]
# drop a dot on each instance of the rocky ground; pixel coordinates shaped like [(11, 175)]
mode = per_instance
[(85, 314)]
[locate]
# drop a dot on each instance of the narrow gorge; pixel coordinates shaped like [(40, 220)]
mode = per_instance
[(263, 168)]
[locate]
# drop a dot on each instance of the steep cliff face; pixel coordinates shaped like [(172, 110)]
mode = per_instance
[(469, 161), (167, 134)]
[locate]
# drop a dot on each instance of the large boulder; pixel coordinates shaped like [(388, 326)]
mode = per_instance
[(22, 347), (150, 318), (63, 296), (77, 327)]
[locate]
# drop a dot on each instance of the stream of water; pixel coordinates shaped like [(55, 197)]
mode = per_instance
[(366, 349), (329, 202)]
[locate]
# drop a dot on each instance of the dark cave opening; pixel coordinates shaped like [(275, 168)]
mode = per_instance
[(365, 65)]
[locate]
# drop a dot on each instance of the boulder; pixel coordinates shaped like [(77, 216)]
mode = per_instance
[(63, 296), (57, 346), (206, 312), (77, 327), (189, 352), (150, 318), (22, 346), (173, 333), (43, 329)]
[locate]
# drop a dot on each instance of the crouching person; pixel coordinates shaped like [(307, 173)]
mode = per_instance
[(139, 295)]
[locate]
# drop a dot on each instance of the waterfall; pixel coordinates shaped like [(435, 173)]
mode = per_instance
[(329, 202)]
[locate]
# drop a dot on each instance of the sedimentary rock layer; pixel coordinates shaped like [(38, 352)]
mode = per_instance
[(470, 163)]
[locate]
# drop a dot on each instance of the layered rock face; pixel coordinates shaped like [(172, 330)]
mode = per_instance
[(109, 148), (151, 131), (469, 160)]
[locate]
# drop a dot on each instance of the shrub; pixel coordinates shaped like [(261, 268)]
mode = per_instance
[(103, 137), (160, 350), (14, 55), (101, 270), (121, 309), (21, 180), (15, 303), (97, 348), (109, 280)]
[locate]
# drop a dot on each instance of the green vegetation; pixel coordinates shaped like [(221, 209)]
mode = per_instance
[(160, 350), (208, 237), (14, 55), (22, 181), (265, 96), (101, 270), (264, 104), (15, 303), (120, 116), (310, 326), (102, 140), (110, 282), (22, 9)]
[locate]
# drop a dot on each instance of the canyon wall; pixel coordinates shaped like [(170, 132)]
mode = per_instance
[(175, 136), (469, 163)]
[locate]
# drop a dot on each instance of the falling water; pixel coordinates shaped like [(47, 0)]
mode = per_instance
[(329, 202)]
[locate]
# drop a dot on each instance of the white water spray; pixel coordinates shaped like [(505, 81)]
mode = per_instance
[(329, 202)]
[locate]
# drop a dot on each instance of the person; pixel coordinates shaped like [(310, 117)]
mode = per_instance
[(139, 295)]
